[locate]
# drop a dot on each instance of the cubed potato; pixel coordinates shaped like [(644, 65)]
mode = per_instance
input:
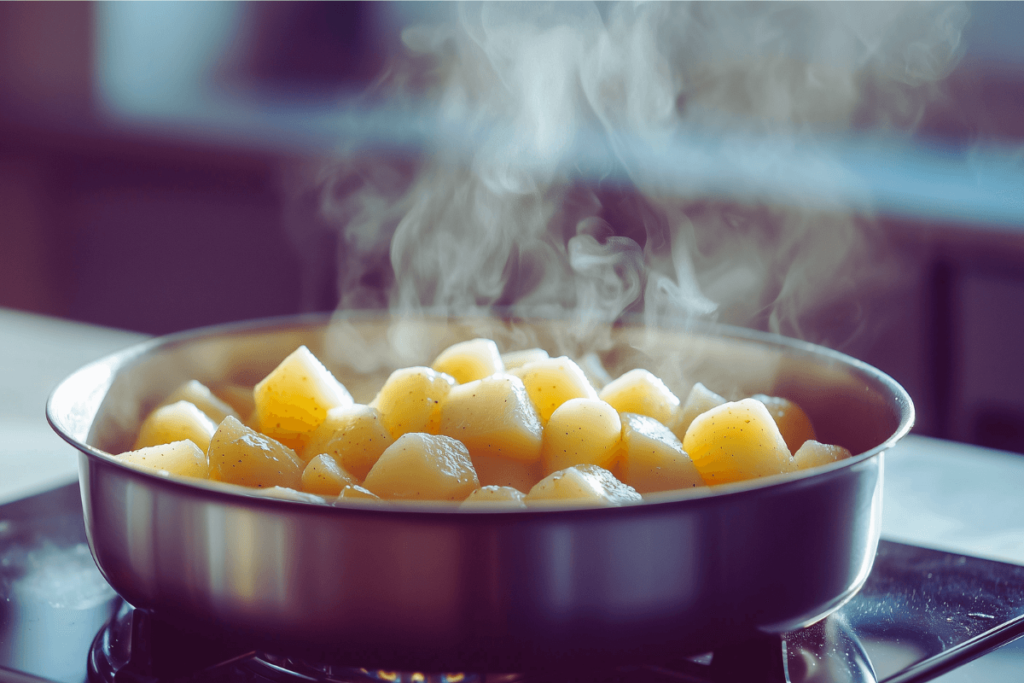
[(793, 422), (469, 360), (294, 398), (423, 467), (639, 391), (653, 458), (199, 395), (493, 416), (699, 400), (357, 494), (552, 382), (494, 498), (240, 455), (517, 359), (581, 431), (737, 441), (176, 422), (581, 485), (323, 476), (354, 436), (410, 400), (813, 454), (495, 471), (180, 458)]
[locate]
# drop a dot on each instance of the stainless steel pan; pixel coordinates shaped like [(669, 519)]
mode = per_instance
[(441, 589)]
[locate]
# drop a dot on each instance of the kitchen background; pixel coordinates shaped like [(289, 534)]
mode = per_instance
[(149, 156)]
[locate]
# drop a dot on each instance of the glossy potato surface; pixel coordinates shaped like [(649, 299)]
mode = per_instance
[(493, 417), (354, 436), (410, 400), (469, 360), (240, 455), (639, 391), (553, 381), (178, 421), (653, 458), (423, 467), (581, 485), (582, 431), (180, 458)]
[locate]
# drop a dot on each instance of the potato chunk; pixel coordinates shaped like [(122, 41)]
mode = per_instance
[(795, 426), (813, 454), (517, 359), (354, 436), (493, 416), (639, 391), (653, 458), (410, 400), (294, 398), (423, 467), (586, 485), (737, 441), (552, 382), (181, 458), (240, 455), (176, 422), (494, 497), (469, 360), (581, 431), (325, 477), (699, 400), (199, 395)]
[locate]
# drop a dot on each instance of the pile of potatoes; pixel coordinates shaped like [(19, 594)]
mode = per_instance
[(477, 428)]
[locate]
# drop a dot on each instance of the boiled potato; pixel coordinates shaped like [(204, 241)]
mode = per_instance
[(793, 422), (240, 455), (581, 485), (517, 359), (423, 467), (813, 454), (493, 416), (410, 400), (737, 441), (176, 422), (325, 477), (581, 431), (354, 436), (699, 400), (552, 382), (469, 360), (494, 497), (294, 398), (199, 395), (639, 391), (182, 458), (653, 458)]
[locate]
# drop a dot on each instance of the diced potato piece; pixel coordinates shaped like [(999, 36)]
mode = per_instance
[(285, 493), (423, 467), (653, 457), (176, 422), (581, 431), (469, 360), (517, 359), (199, 395), (552, 382), (639, 391), (325, 477), (181, 458), (495, 471), (699, 400), (410, 401), (793, 422), (355, 493), (813, 454), (239, 455), (587, 485), (354, 436), (294, 398), (493, 416), (494, 497), (737, 441)]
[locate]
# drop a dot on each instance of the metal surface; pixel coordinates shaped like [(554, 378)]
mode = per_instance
[(446, 590)]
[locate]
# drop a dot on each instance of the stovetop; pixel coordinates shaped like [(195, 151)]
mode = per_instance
[(922, 612)]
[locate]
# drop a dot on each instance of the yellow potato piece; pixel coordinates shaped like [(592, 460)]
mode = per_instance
[(581, 431), (294, 398), (581, 485), (699, 400), (469, 360), (325, 477), (552, 382), (653, 458), (517, 359), (496, 471), (795, 426), (176, 422), (639, 391), (410, 400), (239, 455), (494, 497), (199, 395), (354, 436), (737, 441), (423, 467), (493, 416), (813, 454), (181, 458)]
